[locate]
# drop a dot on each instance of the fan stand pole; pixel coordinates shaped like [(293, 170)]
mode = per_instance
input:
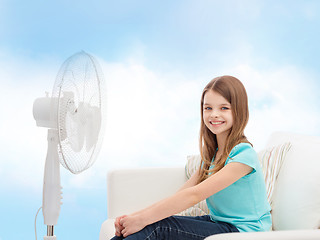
[(50, 235), (50, 230), (51, 185)]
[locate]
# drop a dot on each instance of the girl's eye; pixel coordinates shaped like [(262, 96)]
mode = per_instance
[(224, 108), (207, 108)]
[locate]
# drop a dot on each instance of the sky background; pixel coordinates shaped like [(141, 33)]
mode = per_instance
[(156, 56)]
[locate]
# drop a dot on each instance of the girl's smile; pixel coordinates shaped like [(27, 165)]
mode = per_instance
[(219, 123)]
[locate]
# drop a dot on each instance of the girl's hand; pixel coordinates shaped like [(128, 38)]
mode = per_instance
[(118, 226), (131, 224)]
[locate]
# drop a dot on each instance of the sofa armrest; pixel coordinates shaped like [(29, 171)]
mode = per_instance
[(133, 189), (107, 230), (274, 235)]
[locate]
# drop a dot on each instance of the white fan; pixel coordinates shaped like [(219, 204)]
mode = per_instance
[(75, 116)]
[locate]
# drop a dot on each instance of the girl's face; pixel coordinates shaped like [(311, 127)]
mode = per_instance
[(217, 114)]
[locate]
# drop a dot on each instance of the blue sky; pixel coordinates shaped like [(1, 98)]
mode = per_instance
[(156, 56)]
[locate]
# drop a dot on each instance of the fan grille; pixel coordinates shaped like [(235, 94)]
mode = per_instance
[(79, 83)]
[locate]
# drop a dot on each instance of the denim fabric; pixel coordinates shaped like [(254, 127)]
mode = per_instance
[(181, 228)]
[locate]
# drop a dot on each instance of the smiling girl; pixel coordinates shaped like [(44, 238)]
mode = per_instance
[(229, 177)]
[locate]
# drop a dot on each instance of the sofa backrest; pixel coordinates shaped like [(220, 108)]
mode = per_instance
[(296, 196), (130, 190)]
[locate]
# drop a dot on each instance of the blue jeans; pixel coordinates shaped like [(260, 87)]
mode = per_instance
[(181, 227)]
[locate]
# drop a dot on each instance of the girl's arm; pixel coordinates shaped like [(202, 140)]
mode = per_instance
[(188, 196), (191, 181)]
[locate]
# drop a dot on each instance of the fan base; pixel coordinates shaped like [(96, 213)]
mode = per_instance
[(50, 237)]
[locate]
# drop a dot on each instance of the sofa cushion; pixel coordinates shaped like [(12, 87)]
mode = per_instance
[(271, 160), (193, 163), (201, 208)]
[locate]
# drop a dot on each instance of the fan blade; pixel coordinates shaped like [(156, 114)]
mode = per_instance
[(76, 129), (93, 127), (66, 106)]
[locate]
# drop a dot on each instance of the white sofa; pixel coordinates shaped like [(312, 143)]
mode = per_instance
[(296, 195)]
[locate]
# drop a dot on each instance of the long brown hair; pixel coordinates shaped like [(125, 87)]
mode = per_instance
[(234, 92)]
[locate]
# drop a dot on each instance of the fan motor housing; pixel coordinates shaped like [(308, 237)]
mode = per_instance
[(43, 112)]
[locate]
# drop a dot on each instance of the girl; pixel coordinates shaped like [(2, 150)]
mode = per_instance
[(229, 177)]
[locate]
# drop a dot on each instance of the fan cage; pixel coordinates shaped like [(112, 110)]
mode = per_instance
[(80, 75)]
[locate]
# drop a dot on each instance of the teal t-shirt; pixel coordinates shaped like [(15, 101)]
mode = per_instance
[(244, 203)]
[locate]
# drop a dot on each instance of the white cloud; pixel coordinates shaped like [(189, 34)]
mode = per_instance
[(152, 118), (157, 123), (23, 144), (146, 111), (282, 99), (147, 116)]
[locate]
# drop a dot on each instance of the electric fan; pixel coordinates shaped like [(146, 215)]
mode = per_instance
[(75, 118)]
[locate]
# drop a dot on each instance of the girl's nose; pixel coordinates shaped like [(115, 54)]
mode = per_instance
[(214, 113)]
